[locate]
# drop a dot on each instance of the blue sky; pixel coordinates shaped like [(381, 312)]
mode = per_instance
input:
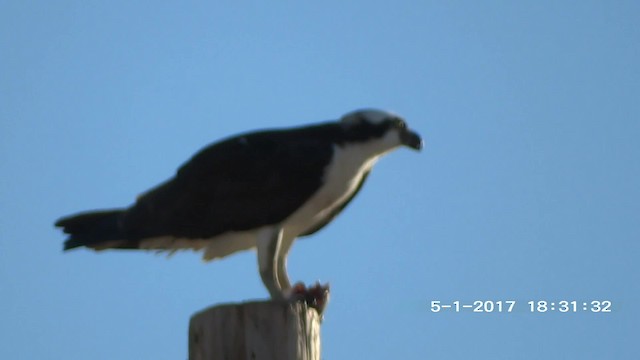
[(527, 188)]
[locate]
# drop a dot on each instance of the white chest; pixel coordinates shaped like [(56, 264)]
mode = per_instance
[(341, 179)]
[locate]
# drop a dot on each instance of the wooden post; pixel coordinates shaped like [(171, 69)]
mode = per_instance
[(261, 330)]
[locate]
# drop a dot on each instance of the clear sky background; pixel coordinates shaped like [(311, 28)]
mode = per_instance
[(527, 188)]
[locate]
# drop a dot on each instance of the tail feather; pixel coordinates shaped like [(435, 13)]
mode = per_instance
[(92, 229)]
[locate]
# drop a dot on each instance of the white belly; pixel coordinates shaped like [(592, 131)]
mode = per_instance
[(341, 179)]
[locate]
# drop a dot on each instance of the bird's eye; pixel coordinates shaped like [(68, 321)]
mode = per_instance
[(398, 123)]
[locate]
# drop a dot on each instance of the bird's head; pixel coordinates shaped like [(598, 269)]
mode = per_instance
[(381, 127)]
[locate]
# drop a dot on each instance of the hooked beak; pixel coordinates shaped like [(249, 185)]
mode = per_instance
[(411, 139)]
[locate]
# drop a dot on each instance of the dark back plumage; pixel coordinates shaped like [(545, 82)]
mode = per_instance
[(238, 184)]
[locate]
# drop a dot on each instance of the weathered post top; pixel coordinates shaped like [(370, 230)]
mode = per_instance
[(261, 330)]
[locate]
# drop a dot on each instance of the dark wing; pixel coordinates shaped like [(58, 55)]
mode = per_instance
[(241, 183)]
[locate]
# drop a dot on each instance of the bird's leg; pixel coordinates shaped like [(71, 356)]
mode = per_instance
[(268, 249), (281, 263), (272, 262), (283, 278), (316, 296)]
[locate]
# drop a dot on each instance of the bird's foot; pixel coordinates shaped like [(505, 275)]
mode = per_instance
[(316, 296)]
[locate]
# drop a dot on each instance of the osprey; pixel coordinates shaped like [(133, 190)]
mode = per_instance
[(257, 190)]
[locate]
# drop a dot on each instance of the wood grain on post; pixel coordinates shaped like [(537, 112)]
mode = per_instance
[(263, 330)]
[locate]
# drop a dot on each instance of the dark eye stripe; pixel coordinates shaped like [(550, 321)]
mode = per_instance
[(398, 123)]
